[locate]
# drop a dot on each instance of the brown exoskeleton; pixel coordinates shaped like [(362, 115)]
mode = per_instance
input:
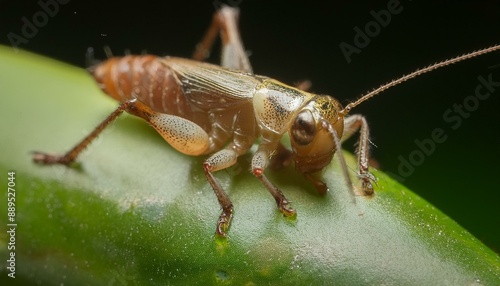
[(204, 109)]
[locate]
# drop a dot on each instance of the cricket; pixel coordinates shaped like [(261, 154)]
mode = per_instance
[(202, 109)]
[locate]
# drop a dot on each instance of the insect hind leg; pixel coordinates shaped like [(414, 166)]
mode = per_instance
[(183, 135), (71, 155), (225, 21)]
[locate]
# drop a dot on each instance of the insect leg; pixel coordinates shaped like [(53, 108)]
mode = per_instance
[(233, 54), (260, 161), (182, 134), (188, 138), (202, 51), (70, 156), (218, 161), (352, 124)]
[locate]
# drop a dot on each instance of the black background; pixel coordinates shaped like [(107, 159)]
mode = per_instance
[(296, 40)]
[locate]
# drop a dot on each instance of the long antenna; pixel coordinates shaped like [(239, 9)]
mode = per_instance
[(416, 73)]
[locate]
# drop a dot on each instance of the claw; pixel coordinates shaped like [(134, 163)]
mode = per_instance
[(224, 222), (47, 159), (285, 209), (367, 185), (318, 184), (367, 188)]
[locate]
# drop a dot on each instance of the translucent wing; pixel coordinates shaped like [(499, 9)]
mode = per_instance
[(211, 87)]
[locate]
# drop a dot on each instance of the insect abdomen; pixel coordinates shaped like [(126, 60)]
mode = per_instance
[(144, 78)]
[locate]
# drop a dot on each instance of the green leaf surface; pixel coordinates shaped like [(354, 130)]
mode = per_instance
[(136, 212)]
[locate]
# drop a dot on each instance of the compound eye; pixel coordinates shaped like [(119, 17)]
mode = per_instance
[(303, 128)]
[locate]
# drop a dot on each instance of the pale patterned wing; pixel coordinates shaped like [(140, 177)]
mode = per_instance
[(211, 87)]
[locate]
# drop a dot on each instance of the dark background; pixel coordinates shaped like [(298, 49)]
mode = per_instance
[(295, 40)]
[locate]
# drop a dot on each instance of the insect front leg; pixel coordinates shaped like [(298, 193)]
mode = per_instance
[(352, 124), (260, 161)]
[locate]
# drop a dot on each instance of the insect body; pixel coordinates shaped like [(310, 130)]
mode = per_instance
[(204, 109)]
